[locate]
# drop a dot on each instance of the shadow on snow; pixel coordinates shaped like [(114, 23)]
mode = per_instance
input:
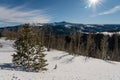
[(10, 66)]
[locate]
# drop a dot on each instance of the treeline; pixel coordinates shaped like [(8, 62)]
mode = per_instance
[(100, 46), (77, 43)]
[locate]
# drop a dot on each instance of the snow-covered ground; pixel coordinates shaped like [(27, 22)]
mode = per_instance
[(68, 67)]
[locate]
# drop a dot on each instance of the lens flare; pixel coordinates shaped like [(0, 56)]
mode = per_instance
[(93, 3)]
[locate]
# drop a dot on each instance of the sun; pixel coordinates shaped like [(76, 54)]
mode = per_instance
[(93, 3)]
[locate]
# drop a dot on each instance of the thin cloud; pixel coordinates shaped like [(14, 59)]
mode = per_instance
[(19, 15), (111, 11)]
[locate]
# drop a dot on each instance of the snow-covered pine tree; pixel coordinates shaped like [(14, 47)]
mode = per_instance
[(39, 59), (29, 51)]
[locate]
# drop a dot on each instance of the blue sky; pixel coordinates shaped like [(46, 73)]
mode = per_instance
[(14, 12)]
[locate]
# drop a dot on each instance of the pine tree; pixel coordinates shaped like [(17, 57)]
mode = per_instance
[(29, 51)]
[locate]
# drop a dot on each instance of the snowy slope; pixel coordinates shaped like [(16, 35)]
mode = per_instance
[(68, 67)]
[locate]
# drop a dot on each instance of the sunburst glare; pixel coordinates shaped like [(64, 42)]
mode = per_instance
[(93, 3)]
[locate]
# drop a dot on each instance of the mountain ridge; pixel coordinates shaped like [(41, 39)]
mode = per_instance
[(67, 27)]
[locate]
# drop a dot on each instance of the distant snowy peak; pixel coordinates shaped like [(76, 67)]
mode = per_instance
[(62, 23), (36, 24)]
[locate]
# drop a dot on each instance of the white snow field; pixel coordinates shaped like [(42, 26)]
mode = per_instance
[(68, 67)]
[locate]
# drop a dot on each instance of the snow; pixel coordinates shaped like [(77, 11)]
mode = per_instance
[(88, 25), (68, 67), (68, 26), (108, 33)]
